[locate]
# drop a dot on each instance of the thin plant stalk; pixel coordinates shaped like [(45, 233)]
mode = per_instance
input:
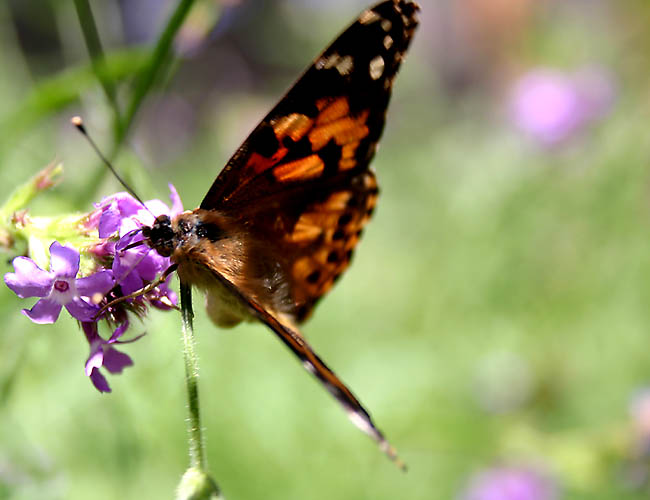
[(196, 483), (196, 448), (159, 59), (96, 52)]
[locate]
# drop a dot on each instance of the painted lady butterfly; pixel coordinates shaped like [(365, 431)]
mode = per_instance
[(279, 225)]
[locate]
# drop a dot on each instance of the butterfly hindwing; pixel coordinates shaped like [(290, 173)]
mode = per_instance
[(317, 248), (292, 338)]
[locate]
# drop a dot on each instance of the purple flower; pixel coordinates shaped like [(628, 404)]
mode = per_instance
[(59, 286), (552, 106), (135, 266), (122, 213), (510, 483), (104, 355), (120, 257)]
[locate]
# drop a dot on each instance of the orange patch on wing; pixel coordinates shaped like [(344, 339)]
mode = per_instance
[(343, 131), (347, 160), (302, 267), (322, 103), (336, 109), (307, 228), (338, 201), (295, 125), (305, 168), (258, 163)]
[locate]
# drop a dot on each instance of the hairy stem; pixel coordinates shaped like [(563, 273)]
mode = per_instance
[(196, 448)]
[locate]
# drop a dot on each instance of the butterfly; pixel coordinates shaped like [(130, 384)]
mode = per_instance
[(280, 223)]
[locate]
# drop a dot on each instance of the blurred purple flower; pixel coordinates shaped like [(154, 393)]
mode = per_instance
[(640, 412), (104, 355), (635, 469), (58, 287), (552, 106), (510, 483)]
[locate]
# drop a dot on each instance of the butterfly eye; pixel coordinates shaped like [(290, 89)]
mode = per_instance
[(160, 236), (210, 231)]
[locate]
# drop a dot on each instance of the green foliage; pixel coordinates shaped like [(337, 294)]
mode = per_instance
[(493, 268)]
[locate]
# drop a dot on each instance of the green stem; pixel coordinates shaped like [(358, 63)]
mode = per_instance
[(94, 45), (158, 59), (197, 451), (196, 483)]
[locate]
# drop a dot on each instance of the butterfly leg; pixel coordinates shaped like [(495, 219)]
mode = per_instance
[(144, 290)]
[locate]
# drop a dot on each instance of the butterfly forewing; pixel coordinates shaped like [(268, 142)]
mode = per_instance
[(300, 181)]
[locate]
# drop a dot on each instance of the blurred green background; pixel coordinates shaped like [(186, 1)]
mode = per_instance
[(495, 320)]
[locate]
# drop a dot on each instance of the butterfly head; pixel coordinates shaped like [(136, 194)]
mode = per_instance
[(160, 235)]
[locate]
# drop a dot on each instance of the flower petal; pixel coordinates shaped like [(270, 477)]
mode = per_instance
[(157, 207), (29, 280), (99, 381), (125, 270), (81, 310), (177, 204), (126, 204), (44, 312), (109, 222), (105, 248), (119, 331), (151, 265), (131, 283), (90, 331), (100, 282), (95, 360), (115, 361), (162, 292), (64, 260), (128, 238)]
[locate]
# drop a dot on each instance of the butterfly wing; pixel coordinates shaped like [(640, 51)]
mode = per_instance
[(301, 181), (292, 338), (300, 187)]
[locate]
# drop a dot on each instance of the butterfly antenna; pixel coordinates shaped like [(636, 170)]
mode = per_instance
[(78, 122)]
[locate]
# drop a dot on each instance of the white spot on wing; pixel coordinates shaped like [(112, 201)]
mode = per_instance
[(309, 367), (386, 25), (377, 67), (369, 16), (388, 42), (345, 65), (362, 423), (327, 62)]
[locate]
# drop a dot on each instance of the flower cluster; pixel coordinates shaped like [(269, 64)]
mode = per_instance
[(92, 280)]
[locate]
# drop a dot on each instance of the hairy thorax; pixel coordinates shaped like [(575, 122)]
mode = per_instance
[(211, 250)]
